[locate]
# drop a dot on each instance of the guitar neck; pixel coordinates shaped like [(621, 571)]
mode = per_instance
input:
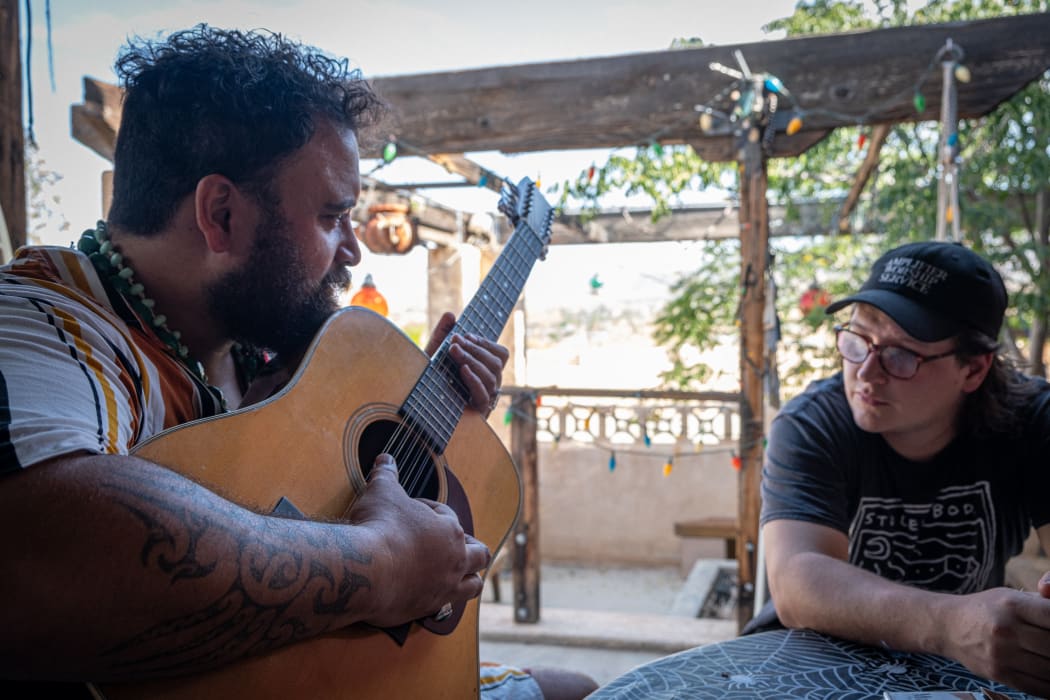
[(439, 398)]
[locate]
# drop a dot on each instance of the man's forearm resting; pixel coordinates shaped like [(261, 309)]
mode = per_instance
[(819, 592), (115, 582)]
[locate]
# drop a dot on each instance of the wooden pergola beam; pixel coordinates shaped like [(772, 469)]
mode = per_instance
[(12, 138), (835, 80), (871, 159), (96, 120), (473, 173), (635, 99)]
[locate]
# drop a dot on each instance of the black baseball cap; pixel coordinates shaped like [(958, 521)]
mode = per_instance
[(934, 290)]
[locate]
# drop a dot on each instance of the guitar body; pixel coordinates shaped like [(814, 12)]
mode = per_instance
[(312, 444)]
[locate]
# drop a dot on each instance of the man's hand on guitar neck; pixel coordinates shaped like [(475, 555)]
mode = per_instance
[(480, 360), (421, 545)]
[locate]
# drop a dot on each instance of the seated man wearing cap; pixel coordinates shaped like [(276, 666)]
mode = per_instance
[(895, 491)]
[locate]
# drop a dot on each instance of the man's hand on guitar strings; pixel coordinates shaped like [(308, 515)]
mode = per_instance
[(480, 361), (422, 558)]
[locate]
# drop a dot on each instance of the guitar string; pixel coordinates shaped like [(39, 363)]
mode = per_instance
[(416, 460), (414, 463), (486, 325)]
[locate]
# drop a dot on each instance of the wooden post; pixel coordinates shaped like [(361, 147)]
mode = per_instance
[(12, 138), (754, 253), (444, 283), (526, 539)]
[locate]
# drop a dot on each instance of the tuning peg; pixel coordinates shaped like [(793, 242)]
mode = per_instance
[(508, 202)]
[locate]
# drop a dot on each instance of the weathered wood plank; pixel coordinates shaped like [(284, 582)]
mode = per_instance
[(704, 222), (842, 79)]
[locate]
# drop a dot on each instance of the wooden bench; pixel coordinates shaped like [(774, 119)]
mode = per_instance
[(721, 528)]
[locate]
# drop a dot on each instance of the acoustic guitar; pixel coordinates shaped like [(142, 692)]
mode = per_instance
[(308, 450)]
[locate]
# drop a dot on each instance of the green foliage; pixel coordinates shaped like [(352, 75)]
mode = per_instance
[(44, 210), (823, 17), (701, 312), (1004, 168), (659, 172), (1004, 208)]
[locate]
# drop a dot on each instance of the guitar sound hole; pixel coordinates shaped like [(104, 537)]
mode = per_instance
[(415, 464)]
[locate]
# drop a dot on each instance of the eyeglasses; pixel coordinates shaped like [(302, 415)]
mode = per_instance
[(895, 361)]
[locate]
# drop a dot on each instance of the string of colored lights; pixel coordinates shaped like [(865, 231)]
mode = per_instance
[(668, 459)]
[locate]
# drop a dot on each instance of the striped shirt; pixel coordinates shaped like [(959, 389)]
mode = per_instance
[(79, 371)]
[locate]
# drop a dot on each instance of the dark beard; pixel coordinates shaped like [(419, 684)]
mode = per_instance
[(269, 303)]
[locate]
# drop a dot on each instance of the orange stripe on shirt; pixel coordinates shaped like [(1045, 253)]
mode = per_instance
[(72, 326)]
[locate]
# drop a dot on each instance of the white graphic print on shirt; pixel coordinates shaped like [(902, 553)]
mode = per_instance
[(942, 545)]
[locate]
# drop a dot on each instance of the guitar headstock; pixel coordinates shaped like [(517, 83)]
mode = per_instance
[(524, 204)]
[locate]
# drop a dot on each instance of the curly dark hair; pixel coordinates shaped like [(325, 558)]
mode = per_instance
[(209, 100)]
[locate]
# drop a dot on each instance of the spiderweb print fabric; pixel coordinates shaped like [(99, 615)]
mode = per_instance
[(793, 664)]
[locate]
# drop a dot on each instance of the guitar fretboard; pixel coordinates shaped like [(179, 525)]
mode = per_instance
[(436, 403)]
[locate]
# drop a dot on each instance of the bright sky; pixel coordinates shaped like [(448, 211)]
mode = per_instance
[(392, 37)]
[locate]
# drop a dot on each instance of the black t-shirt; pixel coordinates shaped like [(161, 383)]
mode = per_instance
[(948, 524)]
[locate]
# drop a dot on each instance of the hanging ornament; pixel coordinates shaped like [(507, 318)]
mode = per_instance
[(554, 445), (953, 138), (668, 466), (612, 461), (389, 152), (483, 180), (949, 214), (508, 416), (389, 229), (369, 297), (774, 85), (706, 122), (736, 462), (590, 173), (861, 140), (815, 298), (596, 283), (794, 126), (962, 73), (658, 149), (920, 102)]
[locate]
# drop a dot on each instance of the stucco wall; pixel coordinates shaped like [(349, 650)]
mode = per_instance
[(591, 515)]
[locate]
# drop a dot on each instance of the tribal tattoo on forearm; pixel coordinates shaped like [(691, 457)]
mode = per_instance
[(276, 588)]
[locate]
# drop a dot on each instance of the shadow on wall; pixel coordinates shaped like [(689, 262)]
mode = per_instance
[(625, 516)]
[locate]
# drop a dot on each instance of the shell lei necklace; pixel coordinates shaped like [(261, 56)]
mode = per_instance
[(109, 263)]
